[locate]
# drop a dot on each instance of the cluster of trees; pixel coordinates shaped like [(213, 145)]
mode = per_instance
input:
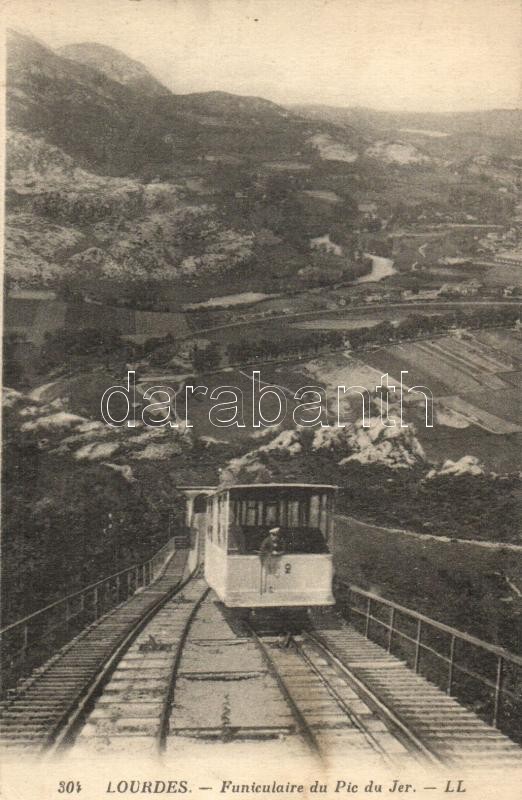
[(67, 524), (257, 200), (87, 208), (417, 325), (412, 327), (478, 197), (66, 344), (478, 201), (298, 345), (158, 350), (206, 358), (323, 269)]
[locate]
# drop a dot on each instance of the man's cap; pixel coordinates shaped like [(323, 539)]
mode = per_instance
[(274, 530)]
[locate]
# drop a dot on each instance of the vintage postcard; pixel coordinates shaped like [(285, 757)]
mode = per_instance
[(262, 359)]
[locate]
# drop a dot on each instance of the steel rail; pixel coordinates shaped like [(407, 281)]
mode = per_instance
[(64, 732), (384, 712), (44, 623), (302, 725), (164, 727), (352, 716)]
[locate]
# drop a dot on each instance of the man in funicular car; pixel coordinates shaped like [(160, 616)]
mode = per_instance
[(270, 548), (272, 545)]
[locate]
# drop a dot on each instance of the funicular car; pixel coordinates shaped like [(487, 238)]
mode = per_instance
[(268, 544)]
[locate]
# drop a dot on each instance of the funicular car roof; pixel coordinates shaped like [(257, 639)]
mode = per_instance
[(311, 486)]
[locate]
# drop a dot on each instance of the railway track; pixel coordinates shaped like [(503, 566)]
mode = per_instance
[(45, 709), (132, 714), (330, 716), (172, 671), (422, 716), (192, 677), (339, 685), (199, 675)]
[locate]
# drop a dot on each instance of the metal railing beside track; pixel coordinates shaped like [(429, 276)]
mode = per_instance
[(30, 641), (485, 677)]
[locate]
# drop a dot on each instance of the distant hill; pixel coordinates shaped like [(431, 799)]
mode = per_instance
[(223, 103), (113, 178), (107, 111), (115, 183), (470, 132), (110, 114), (494, 122), (75, 107), (115, 65)]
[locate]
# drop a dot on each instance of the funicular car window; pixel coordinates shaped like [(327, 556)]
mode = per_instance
[(300, 515), (251, 516), (283, 512), (210, 515), (293, 513), (271, 515), (238, 512), (319, 512), (315, 510), (220, 520), (236, 539), (247, 540)]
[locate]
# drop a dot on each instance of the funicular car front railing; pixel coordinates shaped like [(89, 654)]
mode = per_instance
[(30, 641), (483, 676)]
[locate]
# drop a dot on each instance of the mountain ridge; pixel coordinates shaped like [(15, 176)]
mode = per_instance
[(118, 127), (115, 64)]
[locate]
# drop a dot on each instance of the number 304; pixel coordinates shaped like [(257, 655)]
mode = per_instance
[(69, 787)]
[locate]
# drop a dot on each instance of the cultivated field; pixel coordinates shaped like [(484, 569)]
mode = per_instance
[(475, 377), (504, 275), (36, 317), (91, 315), (509, 342), (428, 356), (477, 353), (477, 414), (474, 382), (159, 323), (390, 360), (514, 378)]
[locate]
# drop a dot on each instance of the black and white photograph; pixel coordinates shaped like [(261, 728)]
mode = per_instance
[(261, 421)]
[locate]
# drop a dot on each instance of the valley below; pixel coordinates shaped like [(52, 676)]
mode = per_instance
[(195, 238)]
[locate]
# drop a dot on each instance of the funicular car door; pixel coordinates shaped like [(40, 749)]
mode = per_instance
[(276, 568)]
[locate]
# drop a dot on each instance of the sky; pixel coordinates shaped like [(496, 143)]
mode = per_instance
[(412, 55)]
